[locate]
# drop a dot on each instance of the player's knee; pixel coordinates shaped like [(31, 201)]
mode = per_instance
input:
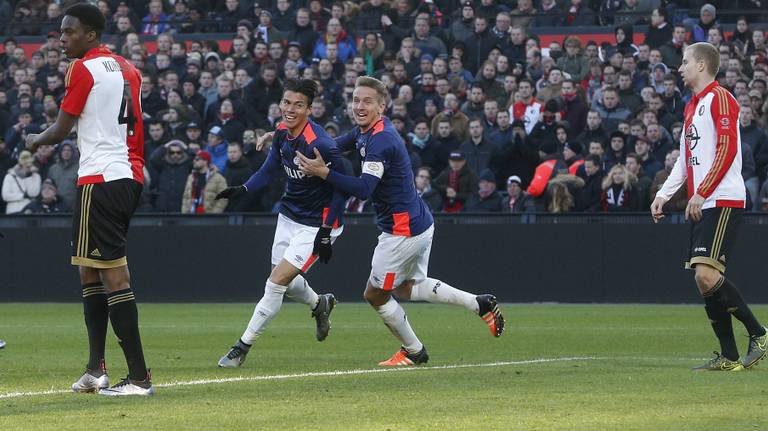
[(706, 277), (374, 296)]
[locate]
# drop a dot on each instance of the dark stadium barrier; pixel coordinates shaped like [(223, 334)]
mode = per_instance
[(518, 258)]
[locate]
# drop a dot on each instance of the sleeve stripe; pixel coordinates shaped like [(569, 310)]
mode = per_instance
[(714, 172), (68, 77), (716, 165)]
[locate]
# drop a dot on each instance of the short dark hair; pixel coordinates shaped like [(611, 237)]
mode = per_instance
[(307, 87), (594, 159), (89, 16)]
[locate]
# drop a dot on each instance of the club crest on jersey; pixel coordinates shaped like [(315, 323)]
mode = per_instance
[(701, 110), (692, 136), (296, 160), (362, 151)]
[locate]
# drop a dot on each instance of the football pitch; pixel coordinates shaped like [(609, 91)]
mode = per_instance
[(557, 367)]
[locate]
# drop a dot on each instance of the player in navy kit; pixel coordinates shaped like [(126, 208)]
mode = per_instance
[(400, 260), (309, 220)]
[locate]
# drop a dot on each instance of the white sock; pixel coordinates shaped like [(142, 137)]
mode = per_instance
[(265, 310), (299, 291), (394, 317), (440, 292)]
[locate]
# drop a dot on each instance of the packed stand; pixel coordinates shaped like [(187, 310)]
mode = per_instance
[(494, 120)]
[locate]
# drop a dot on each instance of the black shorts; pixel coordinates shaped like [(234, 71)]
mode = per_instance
[(713, 237), (100, 222)]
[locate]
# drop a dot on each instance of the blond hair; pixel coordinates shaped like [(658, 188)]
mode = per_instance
[(629, 178), (706, 52), (381, 89)]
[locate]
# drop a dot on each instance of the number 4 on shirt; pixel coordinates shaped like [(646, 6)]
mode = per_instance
[(126, 115)]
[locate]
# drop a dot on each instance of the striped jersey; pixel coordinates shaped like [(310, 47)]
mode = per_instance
[(104, 91), (710, 151)]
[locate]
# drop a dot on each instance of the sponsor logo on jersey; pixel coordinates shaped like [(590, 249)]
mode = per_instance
[(700, 249), (692, 136), (725, 122)]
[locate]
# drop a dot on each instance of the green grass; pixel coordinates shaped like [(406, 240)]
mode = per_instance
[(639, 378)]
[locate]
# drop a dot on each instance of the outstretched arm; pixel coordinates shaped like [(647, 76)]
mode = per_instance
[(361, 187)]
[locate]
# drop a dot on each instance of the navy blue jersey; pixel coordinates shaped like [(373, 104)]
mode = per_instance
[(399, 209), (307, 199)]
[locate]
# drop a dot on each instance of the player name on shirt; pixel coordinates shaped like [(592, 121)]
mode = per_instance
[(112, 66)]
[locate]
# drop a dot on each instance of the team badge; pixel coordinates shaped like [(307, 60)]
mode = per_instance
[(701, 110), (362, 151), (296, 160)]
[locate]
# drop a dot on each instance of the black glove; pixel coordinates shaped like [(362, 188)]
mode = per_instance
[(231, 192), (323, 248)]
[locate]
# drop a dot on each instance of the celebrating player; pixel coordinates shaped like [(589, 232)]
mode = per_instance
[(400, 260), (309, 220), (710, 161), (103, 98)]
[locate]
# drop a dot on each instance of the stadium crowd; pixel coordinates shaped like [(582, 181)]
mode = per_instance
[(493, 119)]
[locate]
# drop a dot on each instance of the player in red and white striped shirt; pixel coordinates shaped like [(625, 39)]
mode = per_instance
[(710, 162), (102, 99)]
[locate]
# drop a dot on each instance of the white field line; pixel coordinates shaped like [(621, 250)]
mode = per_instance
[(360, 372), (319, 374)]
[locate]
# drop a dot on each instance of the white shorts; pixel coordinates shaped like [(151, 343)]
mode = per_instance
[(294, 242), (400, 258)]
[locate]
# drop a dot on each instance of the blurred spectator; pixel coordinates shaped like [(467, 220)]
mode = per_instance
[(462, 28), (707, 20), (594, 130), (477, 149), (574, 62), (524, 14), (486, 198), (425, 42), (574, 110), (649, 163), (216, 148), (15, 135), (238, 170), (516, 200), (577, 14), (429, 195), (479, 45), (624, 40), (561, 190), (446, 143), (458, 121), (283, 15), (21, 184), (643, 184), (619, 191), (44, 158), (610, 110), (232, 128), (345, 45), (548, 14), (304, 33), (266, 32), (617, 153), (64, 173), (571, 154), (456, 183), (424, 143), (679, 200), (27, 17), (156, 22), (591, 193), (170, 166), (203, 184), (631, 12), (47, 202)]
